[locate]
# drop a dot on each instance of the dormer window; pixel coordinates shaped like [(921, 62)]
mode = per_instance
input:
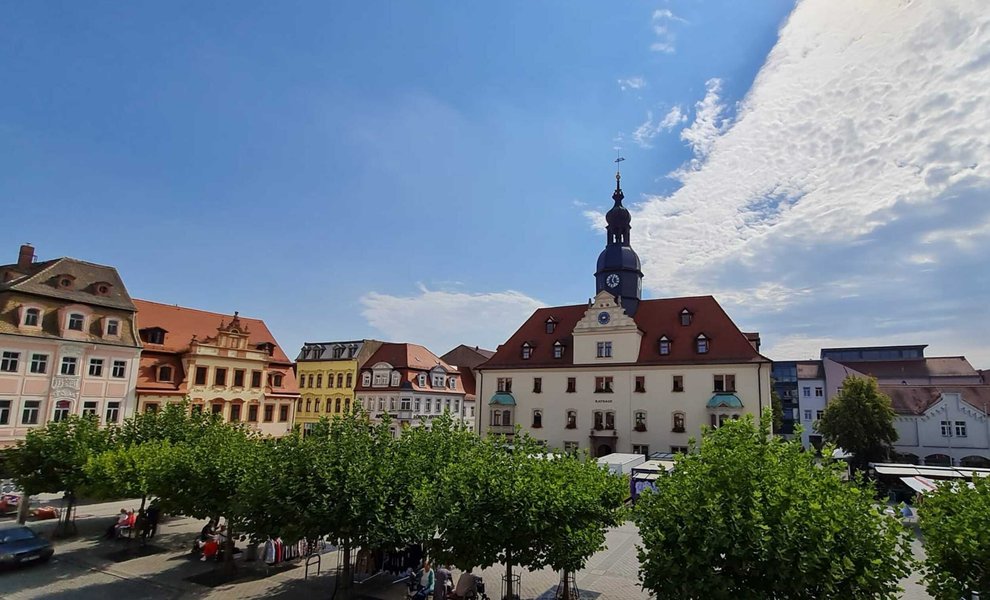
[(32, 317), (664, 346), (351, 351), (558, 350), (527, 351), (422, 380), (366, 379), (76, 321), (153, 335), (686, 317), (453, 383), (338, 351), (395, 379), (551, 325), (276, 379), (65, 281), (438, 380), (164, 373), (113, 327), (702, 344), (102, 288)]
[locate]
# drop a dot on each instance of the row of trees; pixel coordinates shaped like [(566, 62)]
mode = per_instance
[(472, 502)]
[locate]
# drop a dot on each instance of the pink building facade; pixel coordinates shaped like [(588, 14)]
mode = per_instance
[(68, 344)]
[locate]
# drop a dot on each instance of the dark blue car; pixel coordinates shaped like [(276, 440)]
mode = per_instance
[(20, 545)]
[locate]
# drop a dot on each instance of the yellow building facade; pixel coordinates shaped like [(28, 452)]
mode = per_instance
[(327, 373)]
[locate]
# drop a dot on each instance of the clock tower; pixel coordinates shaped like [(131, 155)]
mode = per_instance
[(619, 270)]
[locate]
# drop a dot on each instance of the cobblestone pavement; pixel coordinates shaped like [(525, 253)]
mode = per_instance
[(83, 569)]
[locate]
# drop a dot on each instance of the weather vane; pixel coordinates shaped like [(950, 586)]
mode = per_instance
[(618, 159)]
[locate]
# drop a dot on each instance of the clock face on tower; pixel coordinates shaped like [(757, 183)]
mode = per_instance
[(603, 318), (612, 280)]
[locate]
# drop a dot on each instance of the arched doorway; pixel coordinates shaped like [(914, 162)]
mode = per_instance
[(980, 462), (604, 450)]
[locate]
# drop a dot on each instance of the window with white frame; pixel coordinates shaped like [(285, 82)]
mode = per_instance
[(702, 344), (119, 369), (391, 404), (496, 418), (113, 327), (436, 406), (68, 365), (446, 405), (39, 363), (686, 317), (452, 383), (807, 414), (819, 392), (395, 379), (366, 379), (558, 350), (960, 428), (9, 361), (504, 384), (29, 412), (946, 427), (5, 412), (113, 412), (418, 404), (96, 367), (381, 404), (724, 383), (62, 408), (527, 351), (819, 414), (551, 325), (90, 407), (664, 346), (604, 349), (643, 449), (76, 321), (457, 405), (405, 404), (381, 378), (422, 380), (806, 391), (32, 317), (438, 380)]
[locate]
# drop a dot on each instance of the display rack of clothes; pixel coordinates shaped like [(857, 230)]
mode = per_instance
[(277, 551)]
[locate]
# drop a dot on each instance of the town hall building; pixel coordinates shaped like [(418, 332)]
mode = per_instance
[(620, 373)]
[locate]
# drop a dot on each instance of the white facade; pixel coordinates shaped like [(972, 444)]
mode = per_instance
[(949, 428), (811, 406), (426, 395)]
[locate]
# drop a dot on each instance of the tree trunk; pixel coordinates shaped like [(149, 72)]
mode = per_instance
[(143, 498), (509, 592), (346, 579), (566, 582), (23, 508), (228, 549)]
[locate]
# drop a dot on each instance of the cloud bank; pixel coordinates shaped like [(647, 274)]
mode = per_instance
[(849, 201)]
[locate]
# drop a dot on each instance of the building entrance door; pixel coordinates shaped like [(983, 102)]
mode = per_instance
[(604, 450)]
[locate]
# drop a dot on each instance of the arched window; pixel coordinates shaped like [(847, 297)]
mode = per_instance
[(537, 418), (678, 422), (336, 405), (640, 420), (340, 380), (571, 419), (307, 404), (599, 420), (316, 404), (702, 344), (609, 420)]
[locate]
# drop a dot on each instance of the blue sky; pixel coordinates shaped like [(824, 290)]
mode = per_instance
[(432, 171)]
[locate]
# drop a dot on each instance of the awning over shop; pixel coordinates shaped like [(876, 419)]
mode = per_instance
[(725, 400), (502, 399), (919, 484)]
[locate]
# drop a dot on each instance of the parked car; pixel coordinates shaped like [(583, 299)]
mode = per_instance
[(20, 544)]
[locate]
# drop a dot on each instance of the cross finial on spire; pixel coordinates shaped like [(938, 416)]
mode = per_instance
[(617, 196)]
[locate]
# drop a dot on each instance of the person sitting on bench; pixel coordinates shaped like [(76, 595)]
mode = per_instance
[(423, 581)]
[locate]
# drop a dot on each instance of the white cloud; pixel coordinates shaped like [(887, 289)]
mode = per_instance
[(644, 134), (440, 320), (852, 183), (632, 83), (661, 22)]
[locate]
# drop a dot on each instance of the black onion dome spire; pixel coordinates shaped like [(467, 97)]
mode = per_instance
[(619, 271)]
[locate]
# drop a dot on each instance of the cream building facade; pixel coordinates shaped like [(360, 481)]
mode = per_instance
[(623, 374), (327, 373)]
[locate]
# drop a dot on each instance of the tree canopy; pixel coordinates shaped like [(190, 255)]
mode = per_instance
[(749, 516), (955, 521), (860, 420)]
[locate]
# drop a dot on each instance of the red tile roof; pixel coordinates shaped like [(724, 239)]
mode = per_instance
[(655, 318), (411, 360), (182, 323), (916, 399)]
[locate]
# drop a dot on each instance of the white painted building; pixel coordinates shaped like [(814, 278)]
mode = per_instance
[(811, 400), (623, 374)]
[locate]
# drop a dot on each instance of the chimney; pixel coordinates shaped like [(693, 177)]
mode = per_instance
[(26, 256)]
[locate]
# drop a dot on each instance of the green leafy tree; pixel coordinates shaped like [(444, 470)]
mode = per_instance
[(860, 420), (138, 470), (748, 516), (955, 521), (519, 506), (174, 423), (53, 459)]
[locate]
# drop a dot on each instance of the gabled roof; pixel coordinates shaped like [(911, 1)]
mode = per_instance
[(467, 356), (321, 351), (916, 399), (41, 279), (183, 323), (654, 318), (411, 360)]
